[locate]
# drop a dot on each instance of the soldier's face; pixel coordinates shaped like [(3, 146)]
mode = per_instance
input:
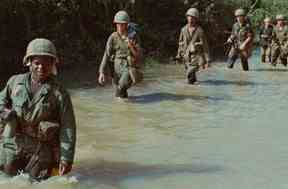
[(41, 67), (191, 20), (280, 22), (121, 27), (268, 24), (240, 19)]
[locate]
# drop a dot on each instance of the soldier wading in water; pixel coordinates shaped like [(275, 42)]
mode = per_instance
[(241, 40), (122, 57), (37, 123), (193, 47), (280, 41)]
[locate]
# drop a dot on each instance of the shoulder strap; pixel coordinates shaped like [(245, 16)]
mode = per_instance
[(194, 37)]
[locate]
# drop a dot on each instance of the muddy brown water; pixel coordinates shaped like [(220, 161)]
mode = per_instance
[(230, 131)]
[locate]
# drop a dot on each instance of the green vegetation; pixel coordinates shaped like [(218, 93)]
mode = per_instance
[(80, 28)]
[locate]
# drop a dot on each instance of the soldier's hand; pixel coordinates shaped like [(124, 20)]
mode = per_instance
[(229, 40), (101, 78), (64, 168), (131, 43), (242, 47)]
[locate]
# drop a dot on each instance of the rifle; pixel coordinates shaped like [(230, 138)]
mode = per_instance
[(230, 45)]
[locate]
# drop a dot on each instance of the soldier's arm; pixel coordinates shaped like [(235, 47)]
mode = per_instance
[(233, 34), (181, 42), (249, 38), (107, 55), (135, 48), (67, 134), (5, 94), (206, 50)]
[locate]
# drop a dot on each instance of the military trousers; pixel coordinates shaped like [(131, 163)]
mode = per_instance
[(121, 78), (265, 54), (234, 54), (279, 53), (192, 64)]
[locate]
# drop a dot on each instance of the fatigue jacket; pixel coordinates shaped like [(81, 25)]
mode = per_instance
[(266, 35), (185, 40), (280, 37), (50, 103), (118, 53), (242, 32)]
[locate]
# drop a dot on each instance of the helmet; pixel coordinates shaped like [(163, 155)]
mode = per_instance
[(280, 17), (121, 17), (192, 12), (40, 47), (240, 12), (267, 19)]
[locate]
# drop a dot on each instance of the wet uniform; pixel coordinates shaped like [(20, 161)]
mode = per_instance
[(280, 45), (119, 59), (44, 127), (265, 35), (193, 49), (240, 33)]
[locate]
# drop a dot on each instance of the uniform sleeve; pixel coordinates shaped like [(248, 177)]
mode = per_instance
[(180, 52), (233, 32), (205, 47), (5, 100), (67, 129), (107, 54), (250, 34)]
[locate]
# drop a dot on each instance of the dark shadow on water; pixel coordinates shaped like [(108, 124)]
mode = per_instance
[(271, 70), (158, 97), (227, 82), (112, 173)]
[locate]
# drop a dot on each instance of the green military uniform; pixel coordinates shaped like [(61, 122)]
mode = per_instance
[(265, 36), (124, 67), (193, 48), (239, 34), (280, 45), (119, 58), (45, 124), (37, 122)]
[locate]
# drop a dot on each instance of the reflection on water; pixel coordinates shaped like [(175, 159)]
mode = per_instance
[(227, 132)]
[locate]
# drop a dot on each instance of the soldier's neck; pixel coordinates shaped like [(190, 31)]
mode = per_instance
[(123, 33), (190, 25), (35, 85)]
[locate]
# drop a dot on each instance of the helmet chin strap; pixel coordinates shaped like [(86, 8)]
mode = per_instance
[(54, 69)]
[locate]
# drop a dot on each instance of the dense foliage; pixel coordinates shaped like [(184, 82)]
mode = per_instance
[(80, 28)]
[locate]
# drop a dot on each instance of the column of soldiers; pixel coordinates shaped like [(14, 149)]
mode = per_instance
[(274, 41), (37, 123)]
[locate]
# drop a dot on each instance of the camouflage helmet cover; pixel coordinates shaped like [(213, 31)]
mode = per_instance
[(121, 17), (267, 20), (280, 17), (40, 47), (192, 12), (240, 12)]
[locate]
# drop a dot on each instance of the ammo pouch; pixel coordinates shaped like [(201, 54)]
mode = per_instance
[(199, 47), (47, 131)]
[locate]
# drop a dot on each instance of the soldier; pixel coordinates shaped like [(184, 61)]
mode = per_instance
[(241, 40), (37, 123), (280, 41), (122, 56), (193, 46), (265, 35)]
